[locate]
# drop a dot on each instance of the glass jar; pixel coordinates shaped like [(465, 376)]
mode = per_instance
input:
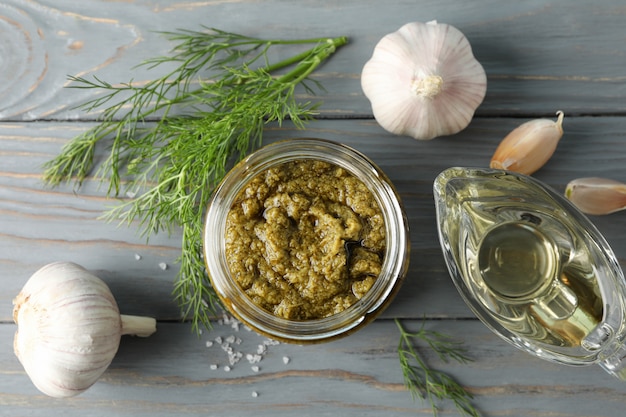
[(373, 302)]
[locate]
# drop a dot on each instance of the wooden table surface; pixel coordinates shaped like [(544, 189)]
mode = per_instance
[(540, 57)]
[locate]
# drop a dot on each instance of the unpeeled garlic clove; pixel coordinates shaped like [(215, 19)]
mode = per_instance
[(69, 328), (529, 146), (423, 81), (597, 196)]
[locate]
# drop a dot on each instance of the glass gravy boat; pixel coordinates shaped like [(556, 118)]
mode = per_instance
[(532, 267)]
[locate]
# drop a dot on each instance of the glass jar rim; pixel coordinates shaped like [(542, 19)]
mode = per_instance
[(395, 260)]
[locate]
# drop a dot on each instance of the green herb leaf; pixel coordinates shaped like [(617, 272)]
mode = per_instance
[(172, 139), (430, 384)]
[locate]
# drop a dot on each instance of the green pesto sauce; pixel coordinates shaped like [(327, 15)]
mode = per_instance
[(305, 239)]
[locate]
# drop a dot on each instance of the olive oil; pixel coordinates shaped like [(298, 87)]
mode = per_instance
[(531, 289), (532, 267)]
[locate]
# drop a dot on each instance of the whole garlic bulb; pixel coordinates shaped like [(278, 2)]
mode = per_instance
[(69, 328), (423, 81)]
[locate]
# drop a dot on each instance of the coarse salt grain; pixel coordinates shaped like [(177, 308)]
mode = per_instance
[(213, 366), (163, 266), (233, 358), (227, 344), (286, 360), (137, 257), (255, 394), (253, 358)]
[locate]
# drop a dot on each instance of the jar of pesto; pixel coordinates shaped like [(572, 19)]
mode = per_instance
[(306, 240)]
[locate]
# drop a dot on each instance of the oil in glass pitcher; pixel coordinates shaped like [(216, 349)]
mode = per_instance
[(532, 267)]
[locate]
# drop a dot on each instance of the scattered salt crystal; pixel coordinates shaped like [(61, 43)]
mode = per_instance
[(229, 344), (253, 358), (255, 394), (213, 366), (234, 358), (163, 266), (131, 194), (137, 257)]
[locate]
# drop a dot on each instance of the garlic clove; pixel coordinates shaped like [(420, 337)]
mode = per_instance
[(529, 146), (597, 196), (69, 328), (423, 81)]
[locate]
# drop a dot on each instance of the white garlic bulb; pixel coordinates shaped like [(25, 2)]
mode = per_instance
[(423, 81), (69, 328)]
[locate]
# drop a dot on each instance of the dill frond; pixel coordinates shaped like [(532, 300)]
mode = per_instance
[(172, 139), (429, 384)]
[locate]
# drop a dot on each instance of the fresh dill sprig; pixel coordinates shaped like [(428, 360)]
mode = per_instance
[(430, 384), (172, 139)]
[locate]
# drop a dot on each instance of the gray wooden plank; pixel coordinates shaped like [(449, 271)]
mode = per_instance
[(170, 373), (538, 56), (39, 225)]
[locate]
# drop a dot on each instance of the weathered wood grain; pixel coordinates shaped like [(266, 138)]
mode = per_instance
[(539, 57), (170, 374), (40, 225)]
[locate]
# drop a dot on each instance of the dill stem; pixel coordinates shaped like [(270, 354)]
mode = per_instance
[(431, 384), (326, 50), (176, 160)]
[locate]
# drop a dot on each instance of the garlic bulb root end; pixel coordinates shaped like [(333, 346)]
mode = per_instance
[(427, 87), (137, 325)]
